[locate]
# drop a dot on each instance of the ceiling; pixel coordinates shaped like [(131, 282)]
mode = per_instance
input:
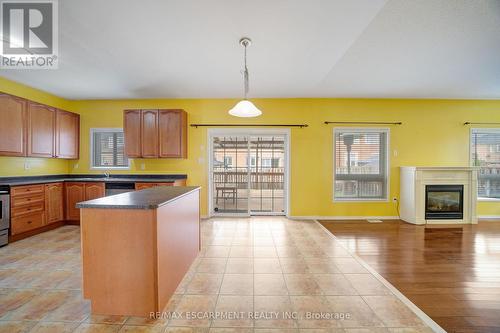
[(316, 48)]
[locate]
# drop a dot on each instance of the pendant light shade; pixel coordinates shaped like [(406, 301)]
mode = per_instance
[(245, 108)]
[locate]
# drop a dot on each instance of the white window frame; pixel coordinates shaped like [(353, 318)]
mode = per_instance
[(100, 130), (471, 160), (387, 161)]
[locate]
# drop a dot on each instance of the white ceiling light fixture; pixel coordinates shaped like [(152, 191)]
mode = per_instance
[(245, 108)]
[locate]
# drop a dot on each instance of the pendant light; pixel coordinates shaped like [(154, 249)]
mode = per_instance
[(245, 108)]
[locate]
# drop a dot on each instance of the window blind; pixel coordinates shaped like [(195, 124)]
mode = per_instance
[(108, 149), (360, 164), (485, 154)]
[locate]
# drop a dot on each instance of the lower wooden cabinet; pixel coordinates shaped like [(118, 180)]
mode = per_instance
[(81, 191), (94, 190), (142, 186), (54, 202), (27, 208)]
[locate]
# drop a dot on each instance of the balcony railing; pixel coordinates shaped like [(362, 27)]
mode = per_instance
[(267, 179)]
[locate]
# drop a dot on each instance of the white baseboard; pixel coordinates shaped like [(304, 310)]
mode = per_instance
[(343, 217), (488, 217)]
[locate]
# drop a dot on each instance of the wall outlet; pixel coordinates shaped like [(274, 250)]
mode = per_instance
[(395, 153), (27, 166), (76, 166), (143, 166), (201, 160)]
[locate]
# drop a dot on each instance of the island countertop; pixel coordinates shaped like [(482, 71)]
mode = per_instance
[(151, 198)]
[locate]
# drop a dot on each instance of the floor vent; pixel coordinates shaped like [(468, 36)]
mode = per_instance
[(374, 221)]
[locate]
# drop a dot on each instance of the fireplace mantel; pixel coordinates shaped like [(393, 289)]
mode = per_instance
[(413, 182)]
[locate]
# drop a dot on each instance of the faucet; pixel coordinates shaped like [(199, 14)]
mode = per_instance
[(106, 174)]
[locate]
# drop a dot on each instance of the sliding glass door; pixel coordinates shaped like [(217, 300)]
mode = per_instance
[(248, 173)]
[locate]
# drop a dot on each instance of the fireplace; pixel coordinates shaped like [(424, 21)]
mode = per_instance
[(444, 202)]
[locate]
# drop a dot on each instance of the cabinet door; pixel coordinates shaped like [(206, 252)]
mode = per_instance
[(75, 192), (173, 133), (12, 126), (142, 186), (94, 190), (41, 130), (132, 132), (149, 130), (67, 134), (54, 203)]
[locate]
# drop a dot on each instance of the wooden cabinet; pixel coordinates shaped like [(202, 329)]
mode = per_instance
[(74, 193), (27, 208), (172, 125), (155, 133), (33, 129), (54, 202), (81, 191), (132, 132), (41, 130), (94, 190), (142, 186), (12, 126), (149, 130), (67, 135)]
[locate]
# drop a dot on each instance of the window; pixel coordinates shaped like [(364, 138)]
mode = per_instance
[(486, 155), (107, 149), (360, 164)]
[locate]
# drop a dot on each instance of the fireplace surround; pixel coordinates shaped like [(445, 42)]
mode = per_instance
[(438, 195)]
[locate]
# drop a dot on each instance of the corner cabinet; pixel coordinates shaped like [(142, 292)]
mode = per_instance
[(37, 130), (67, 135), (155, 133)]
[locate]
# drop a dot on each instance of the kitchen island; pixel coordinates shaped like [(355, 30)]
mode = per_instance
[(137, 247)]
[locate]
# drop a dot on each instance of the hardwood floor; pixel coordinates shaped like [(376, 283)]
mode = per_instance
[(451, 273)]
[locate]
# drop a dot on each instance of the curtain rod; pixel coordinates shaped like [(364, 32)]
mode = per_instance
[(470, 123), (363, 122), (249, 125)]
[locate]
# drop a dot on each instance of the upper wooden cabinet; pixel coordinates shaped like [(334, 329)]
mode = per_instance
[(67, 134), (132, 132), (41, 130), (149, 130), (155, 133), (172, 125), (33, 129), (12, 126)]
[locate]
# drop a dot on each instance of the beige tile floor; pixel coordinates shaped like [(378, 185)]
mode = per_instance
[(287, 273)]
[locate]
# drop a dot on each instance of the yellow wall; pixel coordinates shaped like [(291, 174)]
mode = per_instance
[(14, 166), (433, 134)]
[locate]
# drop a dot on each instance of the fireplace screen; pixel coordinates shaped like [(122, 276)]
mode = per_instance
[(444, 202)]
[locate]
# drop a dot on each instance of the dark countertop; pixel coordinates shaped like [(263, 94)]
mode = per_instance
[(29, 180), (150, 198)]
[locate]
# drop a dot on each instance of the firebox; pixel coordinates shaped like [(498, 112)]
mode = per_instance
[(444, 202)]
